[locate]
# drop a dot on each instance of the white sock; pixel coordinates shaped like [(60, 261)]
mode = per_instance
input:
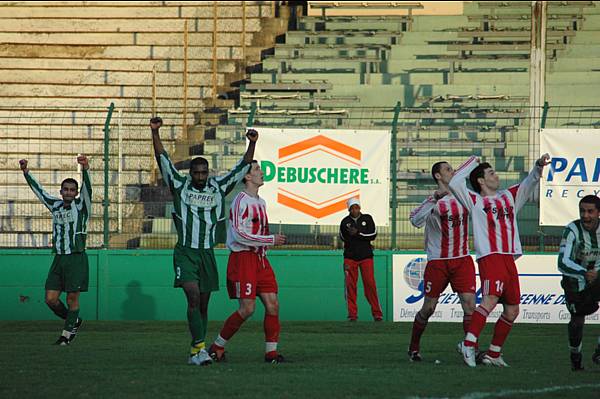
[(220, 341)]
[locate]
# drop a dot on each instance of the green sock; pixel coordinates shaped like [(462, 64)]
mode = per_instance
[(204, 324), (71, 319), (196, 325), (59, 309)]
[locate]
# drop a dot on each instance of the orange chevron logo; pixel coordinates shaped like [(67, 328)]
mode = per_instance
[(333, 148)]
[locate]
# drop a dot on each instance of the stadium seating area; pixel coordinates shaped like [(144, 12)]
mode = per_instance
[(63, 63), (462, 81)]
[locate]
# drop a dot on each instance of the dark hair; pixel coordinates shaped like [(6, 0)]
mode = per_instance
[(71, 181), (436, 169), (591, 199), (478, 172), (198, 161), (251, 162)]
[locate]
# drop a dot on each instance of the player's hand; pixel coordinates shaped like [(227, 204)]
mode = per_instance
[(252, 135), (23, 165), (591, 275), (543, 161), (83, 161), (352, 231), (279, 239), (439, 194), (156, 123)]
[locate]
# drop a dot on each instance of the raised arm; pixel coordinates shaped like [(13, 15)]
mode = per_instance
[(36, 187), (155, 124), (252, 136), (236, 174), (458, 184), (86, 185), (522, 191)]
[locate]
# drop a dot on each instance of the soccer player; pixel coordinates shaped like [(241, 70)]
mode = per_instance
[(447, 247), (497, 245), (579, 262), (199, 203), (249, 273), (357, 230), (69, 271)]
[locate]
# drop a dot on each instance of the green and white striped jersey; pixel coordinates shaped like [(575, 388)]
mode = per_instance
[(69, 224), (196, 212), (579, 252)]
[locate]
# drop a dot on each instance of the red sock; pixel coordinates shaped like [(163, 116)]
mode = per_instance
[(272, 328), (417, 330), (232, 325), (476, 326), (501, 331), (466, 322)]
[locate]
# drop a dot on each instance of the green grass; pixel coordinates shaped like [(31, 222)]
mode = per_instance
[(330, 360)]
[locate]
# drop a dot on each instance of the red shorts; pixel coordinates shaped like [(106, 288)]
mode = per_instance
[(499, 277), (248, 275), (459, 272)]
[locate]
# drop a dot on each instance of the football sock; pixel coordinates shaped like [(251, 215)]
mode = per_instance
[(71, 319), (272, 329), (419, 325), (204, 317), (195, 325), (466, 322), (575, 334), (231, 326), (59, 309), (476, 326), (501, 330)]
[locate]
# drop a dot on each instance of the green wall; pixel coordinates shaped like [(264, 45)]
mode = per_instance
[(138, 285)]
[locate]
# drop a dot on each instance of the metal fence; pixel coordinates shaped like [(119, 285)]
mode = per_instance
[(131, 205)]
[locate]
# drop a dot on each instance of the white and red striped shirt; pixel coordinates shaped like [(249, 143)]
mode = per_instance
[(446, 224), (494, 218), (249, 225)]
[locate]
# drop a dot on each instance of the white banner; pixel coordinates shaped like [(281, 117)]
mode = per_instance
[(573, 173), (542, 298), (310, 174)]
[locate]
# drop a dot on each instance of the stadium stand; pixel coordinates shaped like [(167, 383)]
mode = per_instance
[(462, 81)]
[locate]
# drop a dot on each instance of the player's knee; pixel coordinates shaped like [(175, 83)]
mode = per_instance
[(272, 308), (51, 301), (246, 310), (72, 301), (511, 313), (427, 310)]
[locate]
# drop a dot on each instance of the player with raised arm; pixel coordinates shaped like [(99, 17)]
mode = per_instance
[(497, 245), (249, 273), (199, 204), (579, 263), (447, 246), (69, 271)]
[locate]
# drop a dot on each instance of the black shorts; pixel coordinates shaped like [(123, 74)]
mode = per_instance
[(581, 303)]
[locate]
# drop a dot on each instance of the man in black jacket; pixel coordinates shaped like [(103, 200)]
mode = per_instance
[(357, 230)]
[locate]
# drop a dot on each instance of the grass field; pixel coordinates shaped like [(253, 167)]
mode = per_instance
[(330, 360)]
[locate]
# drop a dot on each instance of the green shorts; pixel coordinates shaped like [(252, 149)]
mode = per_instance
[(197, 265), (69, 273), (581, 303)]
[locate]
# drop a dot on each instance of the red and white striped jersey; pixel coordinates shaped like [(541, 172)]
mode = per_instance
[(494, 218), (446, 224), (248, 225)]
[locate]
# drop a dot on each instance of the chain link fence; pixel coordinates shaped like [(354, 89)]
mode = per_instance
[(132, 207)]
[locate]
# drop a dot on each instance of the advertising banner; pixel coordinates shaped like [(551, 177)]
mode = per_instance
[(542, 298), (310, 174), (573, 173)]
